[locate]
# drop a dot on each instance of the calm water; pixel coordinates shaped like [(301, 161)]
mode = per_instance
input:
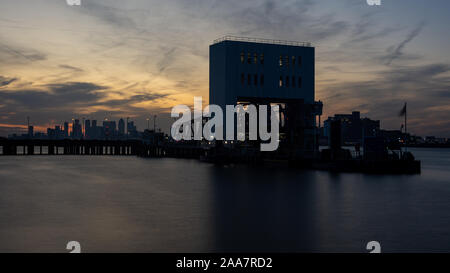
[(129, 204)]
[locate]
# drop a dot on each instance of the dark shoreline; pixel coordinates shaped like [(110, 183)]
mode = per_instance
[(417, 146)]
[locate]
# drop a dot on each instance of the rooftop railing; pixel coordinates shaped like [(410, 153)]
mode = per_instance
[(262, 41)]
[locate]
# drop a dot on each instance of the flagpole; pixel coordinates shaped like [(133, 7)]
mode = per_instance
[(406, 128)]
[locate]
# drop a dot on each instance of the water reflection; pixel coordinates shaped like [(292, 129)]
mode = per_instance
[(168, 205)]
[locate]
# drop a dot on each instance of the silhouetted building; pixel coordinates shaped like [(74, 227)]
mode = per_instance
[(152, 137), (393, 136), (95, 132), (435, 140), (132, 130), (109, 129), (121, 127), (30, 131), (417, 140), (87, 128), (353, 128), (370, 127), (77, 132), (66, 129), (55, 133), (262, 72)]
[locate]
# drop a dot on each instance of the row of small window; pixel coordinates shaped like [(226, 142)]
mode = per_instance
[(253, 59), (252, 80), (283, 60), (259, 80), (286, 61), (290, 82)]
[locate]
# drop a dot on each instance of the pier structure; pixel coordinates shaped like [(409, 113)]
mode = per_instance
[(34, 147), (69, 147)]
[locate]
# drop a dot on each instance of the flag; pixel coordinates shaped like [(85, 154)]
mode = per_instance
[(403, 111)]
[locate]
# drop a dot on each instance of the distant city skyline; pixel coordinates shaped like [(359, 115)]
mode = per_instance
[(87, 129), (354, 129), (23, 128), (139, 58)]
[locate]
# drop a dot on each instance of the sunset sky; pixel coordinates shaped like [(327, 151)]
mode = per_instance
[(137, 58)]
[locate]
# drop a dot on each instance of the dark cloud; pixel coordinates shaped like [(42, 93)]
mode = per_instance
[(326, 26), (69, 67), (279, 19), (419, 75), (275, 19), (368, 28), (119, 17), (54, 95), (133, 99), (71, 95), (166, 60), (9, 53), (397, 51), (4, 81)]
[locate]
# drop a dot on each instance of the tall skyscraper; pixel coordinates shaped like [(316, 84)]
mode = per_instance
[(87, 128), (95, 130), (66, 129), (121, 127), (109, 129), (131, 129), (30, 131), (77, 131)]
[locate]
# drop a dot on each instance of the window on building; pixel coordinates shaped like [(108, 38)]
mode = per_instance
[(293, 60), (299, 61), (242, 79), (249, 79), (262, 80), (287, 81), (293, 81), (287, 61), (299, 82), (261, 59), (242, 57), (281, 60), (255, 58), (280, 84), (255, 80), (249, 58)]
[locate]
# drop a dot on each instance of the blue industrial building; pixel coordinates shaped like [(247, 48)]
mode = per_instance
[(260, 71), (252, 68)]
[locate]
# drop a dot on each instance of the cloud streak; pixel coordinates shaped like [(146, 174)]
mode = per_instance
[(397, 52), (69, 67), (6, 81)]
